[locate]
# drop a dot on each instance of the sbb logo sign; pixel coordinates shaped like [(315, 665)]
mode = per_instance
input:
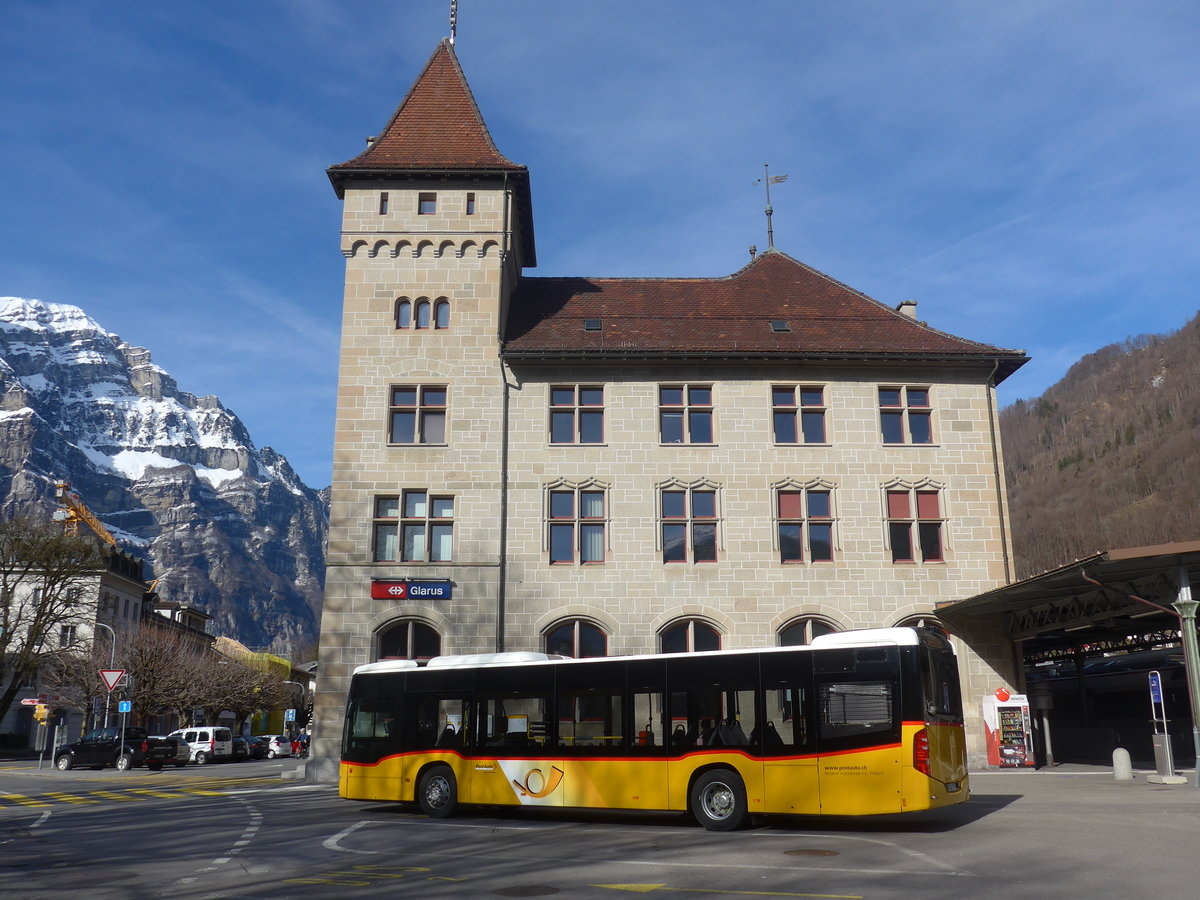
[(410, 590), (389, 590)]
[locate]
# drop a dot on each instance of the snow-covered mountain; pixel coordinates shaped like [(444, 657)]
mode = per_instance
[(225, 526)]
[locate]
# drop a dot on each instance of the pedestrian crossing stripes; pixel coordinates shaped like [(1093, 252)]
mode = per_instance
[(177, 790)]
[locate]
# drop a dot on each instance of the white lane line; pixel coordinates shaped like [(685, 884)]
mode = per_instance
[(891, 845), (252, 826)]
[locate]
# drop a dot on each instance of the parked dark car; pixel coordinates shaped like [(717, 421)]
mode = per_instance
[(258, 747), (183, 752), (241, 749), (103, 747)]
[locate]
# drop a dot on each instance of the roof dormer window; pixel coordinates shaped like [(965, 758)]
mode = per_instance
[(779, 325), (591, 324)]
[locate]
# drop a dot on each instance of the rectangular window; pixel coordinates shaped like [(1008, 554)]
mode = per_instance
[(426, 204), (798, 413), (426, 527), (383, 203), (386, 528), (926, 523), (66, 635), (905, 416), (470, 204), (418, 415), (576, 414), (805, 516), (857, 708), (577, 523), (685, 414), (689, 525)]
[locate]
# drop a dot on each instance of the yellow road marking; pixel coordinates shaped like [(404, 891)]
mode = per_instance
[(169, 796), (68, 798), (110, 795), (647, 888), (23, 800)]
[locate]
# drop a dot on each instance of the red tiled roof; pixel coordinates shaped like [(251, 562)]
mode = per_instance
[(437, 127), (730, 316)]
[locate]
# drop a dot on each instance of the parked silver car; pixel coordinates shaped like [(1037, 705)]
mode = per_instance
[(277, 744)]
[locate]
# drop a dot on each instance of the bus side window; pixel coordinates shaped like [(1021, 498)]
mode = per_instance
[(647, 715), (853, 708)]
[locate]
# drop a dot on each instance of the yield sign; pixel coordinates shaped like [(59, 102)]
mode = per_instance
[(111, 677)]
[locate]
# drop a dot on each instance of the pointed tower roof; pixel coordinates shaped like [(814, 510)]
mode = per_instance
[(437, 130), (437, 126)]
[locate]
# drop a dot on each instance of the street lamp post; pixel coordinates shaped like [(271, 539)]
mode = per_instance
[(112, 664), (1186, 608)]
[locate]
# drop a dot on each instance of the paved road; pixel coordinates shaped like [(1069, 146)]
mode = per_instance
[(240, 832)]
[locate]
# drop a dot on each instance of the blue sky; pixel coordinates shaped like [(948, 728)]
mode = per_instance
[(1028, 171)]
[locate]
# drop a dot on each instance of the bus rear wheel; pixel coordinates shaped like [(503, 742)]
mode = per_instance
[(718, 800), (437, 792)]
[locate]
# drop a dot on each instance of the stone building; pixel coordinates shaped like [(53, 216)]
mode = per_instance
[(625, 465)]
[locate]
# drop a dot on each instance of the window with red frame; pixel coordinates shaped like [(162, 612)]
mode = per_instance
[(915, 525)]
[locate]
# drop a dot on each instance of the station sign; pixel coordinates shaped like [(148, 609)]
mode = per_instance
[(410, 590)]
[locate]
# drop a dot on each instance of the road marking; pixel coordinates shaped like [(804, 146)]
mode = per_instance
[(164, 794), (22, 800), (331, 843), (68, 798), (853, 869), (112, 795), (369, 872), (891, 845), (648, 888)]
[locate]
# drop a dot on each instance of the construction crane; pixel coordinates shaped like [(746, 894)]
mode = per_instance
[(71, 511)]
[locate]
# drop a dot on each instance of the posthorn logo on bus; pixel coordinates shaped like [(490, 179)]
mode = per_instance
[(410, 590)]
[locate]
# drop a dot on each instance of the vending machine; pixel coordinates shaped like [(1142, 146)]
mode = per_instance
[(1009, 730)]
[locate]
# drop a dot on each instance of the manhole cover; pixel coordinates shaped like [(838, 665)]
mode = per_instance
[(810, 852), (525, 890)]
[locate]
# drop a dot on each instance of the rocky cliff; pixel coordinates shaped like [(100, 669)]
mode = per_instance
[(223, 525)]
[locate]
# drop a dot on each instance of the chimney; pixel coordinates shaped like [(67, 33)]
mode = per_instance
[(907, 308), (370, 139), (753, 251)]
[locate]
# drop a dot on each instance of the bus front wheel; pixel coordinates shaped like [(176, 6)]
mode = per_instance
[(718, 800), (437, 792)]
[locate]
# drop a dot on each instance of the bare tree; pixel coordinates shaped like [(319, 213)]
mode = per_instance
[(74, 677), (43, 573)]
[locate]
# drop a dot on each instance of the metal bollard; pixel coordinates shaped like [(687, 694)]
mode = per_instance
[(1122, 767)]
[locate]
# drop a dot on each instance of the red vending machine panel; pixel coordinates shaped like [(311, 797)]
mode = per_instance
[(1008, 729)]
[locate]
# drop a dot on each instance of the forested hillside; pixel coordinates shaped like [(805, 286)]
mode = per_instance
[(1110, 456)]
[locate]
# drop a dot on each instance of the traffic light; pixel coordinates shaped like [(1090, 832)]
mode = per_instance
[(40, 712)]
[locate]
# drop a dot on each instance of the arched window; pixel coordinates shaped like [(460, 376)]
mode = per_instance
[(802, 631), (403, 314), (423, 314), (441, 314), (926, 621), (577, 638), (688, 636), (409, 640)]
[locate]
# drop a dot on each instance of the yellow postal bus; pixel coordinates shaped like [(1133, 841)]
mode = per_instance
[(857, 723)]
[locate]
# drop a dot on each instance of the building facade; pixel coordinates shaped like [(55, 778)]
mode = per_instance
[(612, 466)]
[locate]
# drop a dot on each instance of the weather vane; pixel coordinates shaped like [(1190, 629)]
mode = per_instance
[(453, 20), (766, 181)]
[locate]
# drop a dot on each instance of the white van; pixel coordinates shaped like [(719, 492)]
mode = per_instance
[(208, 742)]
